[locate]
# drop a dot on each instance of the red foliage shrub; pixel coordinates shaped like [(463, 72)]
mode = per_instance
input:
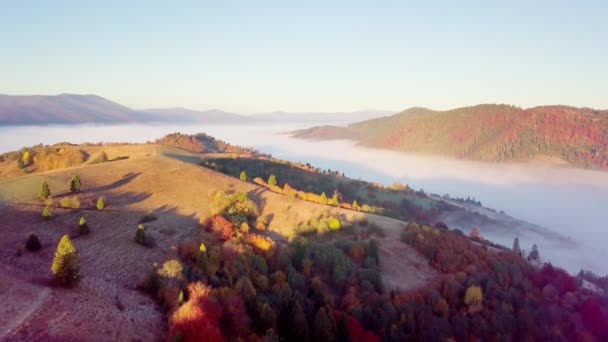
[(221, 227), (197, 319)]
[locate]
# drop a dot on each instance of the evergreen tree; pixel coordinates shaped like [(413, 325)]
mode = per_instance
[(325, 326), (323, 198), (100, 203), (140, 235), (75, 184), (272, 180), (356, 205), (334, 200), (83, 227), (516, 247), (47, 213), (45, 191), (299, 323), (372, 250), (534, 254), (243, 176), (268, 318), (33, 243), (20, 163), (65, 266)]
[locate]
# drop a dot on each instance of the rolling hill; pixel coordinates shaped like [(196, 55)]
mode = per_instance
[(486, 133)]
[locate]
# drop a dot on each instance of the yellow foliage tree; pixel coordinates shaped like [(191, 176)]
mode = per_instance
[(474, 299), (65, 266)]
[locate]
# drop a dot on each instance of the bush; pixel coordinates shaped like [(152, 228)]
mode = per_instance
[(47, 214), (272, 180), (70, 202), (33, 243), (83, 227), (261, 244), (243, 176), (100, 203), (333, 223)]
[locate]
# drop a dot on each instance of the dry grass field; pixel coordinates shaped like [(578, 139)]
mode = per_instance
[(106, 304)]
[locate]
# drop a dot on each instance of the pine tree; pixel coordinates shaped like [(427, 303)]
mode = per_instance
[(140, 235), (334, 200), (83, 227), (33, 243), (45, 191), (516, 247), (75, 184), (100, 203), (299, 326), (534, 254), (325, 326), (323, 198), (272, 180), (356, 205), (372, 250), (47, 214), (243, 176), (65, 266)]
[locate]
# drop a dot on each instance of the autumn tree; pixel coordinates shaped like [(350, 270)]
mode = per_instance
[(172, 269), (323, 198), (272, 180), (475, 235), (75, 184), (65, 265), (243, 176), (221, 227), (26, 157), (45, 191), (198, 319), (473, 298)]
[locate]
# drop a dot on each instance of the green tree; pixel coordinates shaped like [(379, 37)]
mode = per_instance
[(334, 200), (140, 235), (45, 191), (272, 180), (65, 267), (356, 205), (75, 184), (323, 198), (83, 227), (101, 203), (33, 243), (325, 326), (243, 176), (516, 247), (47, 213), (534, 254), (372, 250)]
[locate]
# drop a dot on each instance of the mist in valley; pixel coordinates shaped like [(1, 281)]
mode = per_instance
[(565, 206)]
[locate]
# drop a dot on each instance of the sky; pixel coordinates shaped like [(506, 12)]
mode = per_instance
[(259, 56)]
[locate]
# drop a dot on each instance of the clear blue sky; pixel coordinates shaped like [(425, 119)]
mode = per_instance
[(254, 56)]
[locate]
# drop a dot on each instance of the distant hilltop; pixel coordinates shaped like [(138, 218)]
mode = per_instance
[(80, 109), (487, 132)]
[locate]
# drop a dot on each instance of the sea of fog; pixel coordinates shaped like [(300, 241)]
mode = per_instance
[(570, 202)]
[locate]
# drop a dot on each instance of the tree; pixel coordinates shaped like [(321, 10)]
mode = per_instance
[(516, 247), (75, 184), (47, 214), (356, 205), (33, 243), (323, 198), (45, 191), (26, 158), (243, 176), (171, 269), (83, 227), (334, 200), (65, 267), (372, 250), (475, 235), (299, 324), (140, 235), (100, 203), (20, 164), (221, 227), (534, 254), (272, 180), (325, 326), (473, 297)]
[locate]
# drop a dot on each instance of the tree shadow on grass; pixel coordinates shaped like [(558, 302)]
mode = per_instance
[(127, 178)]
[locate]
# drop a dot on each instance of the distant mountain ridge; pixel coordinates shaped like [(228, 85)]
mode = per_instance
[(79, 109), (486, 132)]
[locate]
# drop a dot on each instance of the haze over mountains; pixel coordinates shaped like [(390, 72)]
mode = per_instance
[(79, 109), (486, 132)]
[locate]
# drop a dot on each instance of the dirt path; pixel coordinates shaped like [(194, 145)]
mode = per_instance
[(13, 312)]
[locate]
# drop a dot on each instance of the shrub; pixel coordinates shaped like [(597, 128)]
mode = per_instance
[(99, 158), (47, 214), (75, 184), (272, 180), (45, 191), (333, 223), (260, 244), (243, 176), (220, 227), (140, 235), (261, 223), (65, 267), (83, 227), (70, 202), (33, 243), (100, 203)]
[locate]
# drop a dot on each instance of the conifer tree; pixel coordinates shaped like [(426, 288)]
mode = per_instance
[(299, 326), (323, 198), (372, 250), (243, 176), (534, 254), (83, 227), (100, 203), (47, 214), (45, 191), (356, 205), (140, 235), (33, 243), (75, 184), (516, 247), (65, 267), (325, 326), (272, 180)]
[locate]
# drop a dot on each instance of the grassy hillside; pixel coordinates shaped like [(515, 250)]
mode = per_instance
[(487, 133)]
